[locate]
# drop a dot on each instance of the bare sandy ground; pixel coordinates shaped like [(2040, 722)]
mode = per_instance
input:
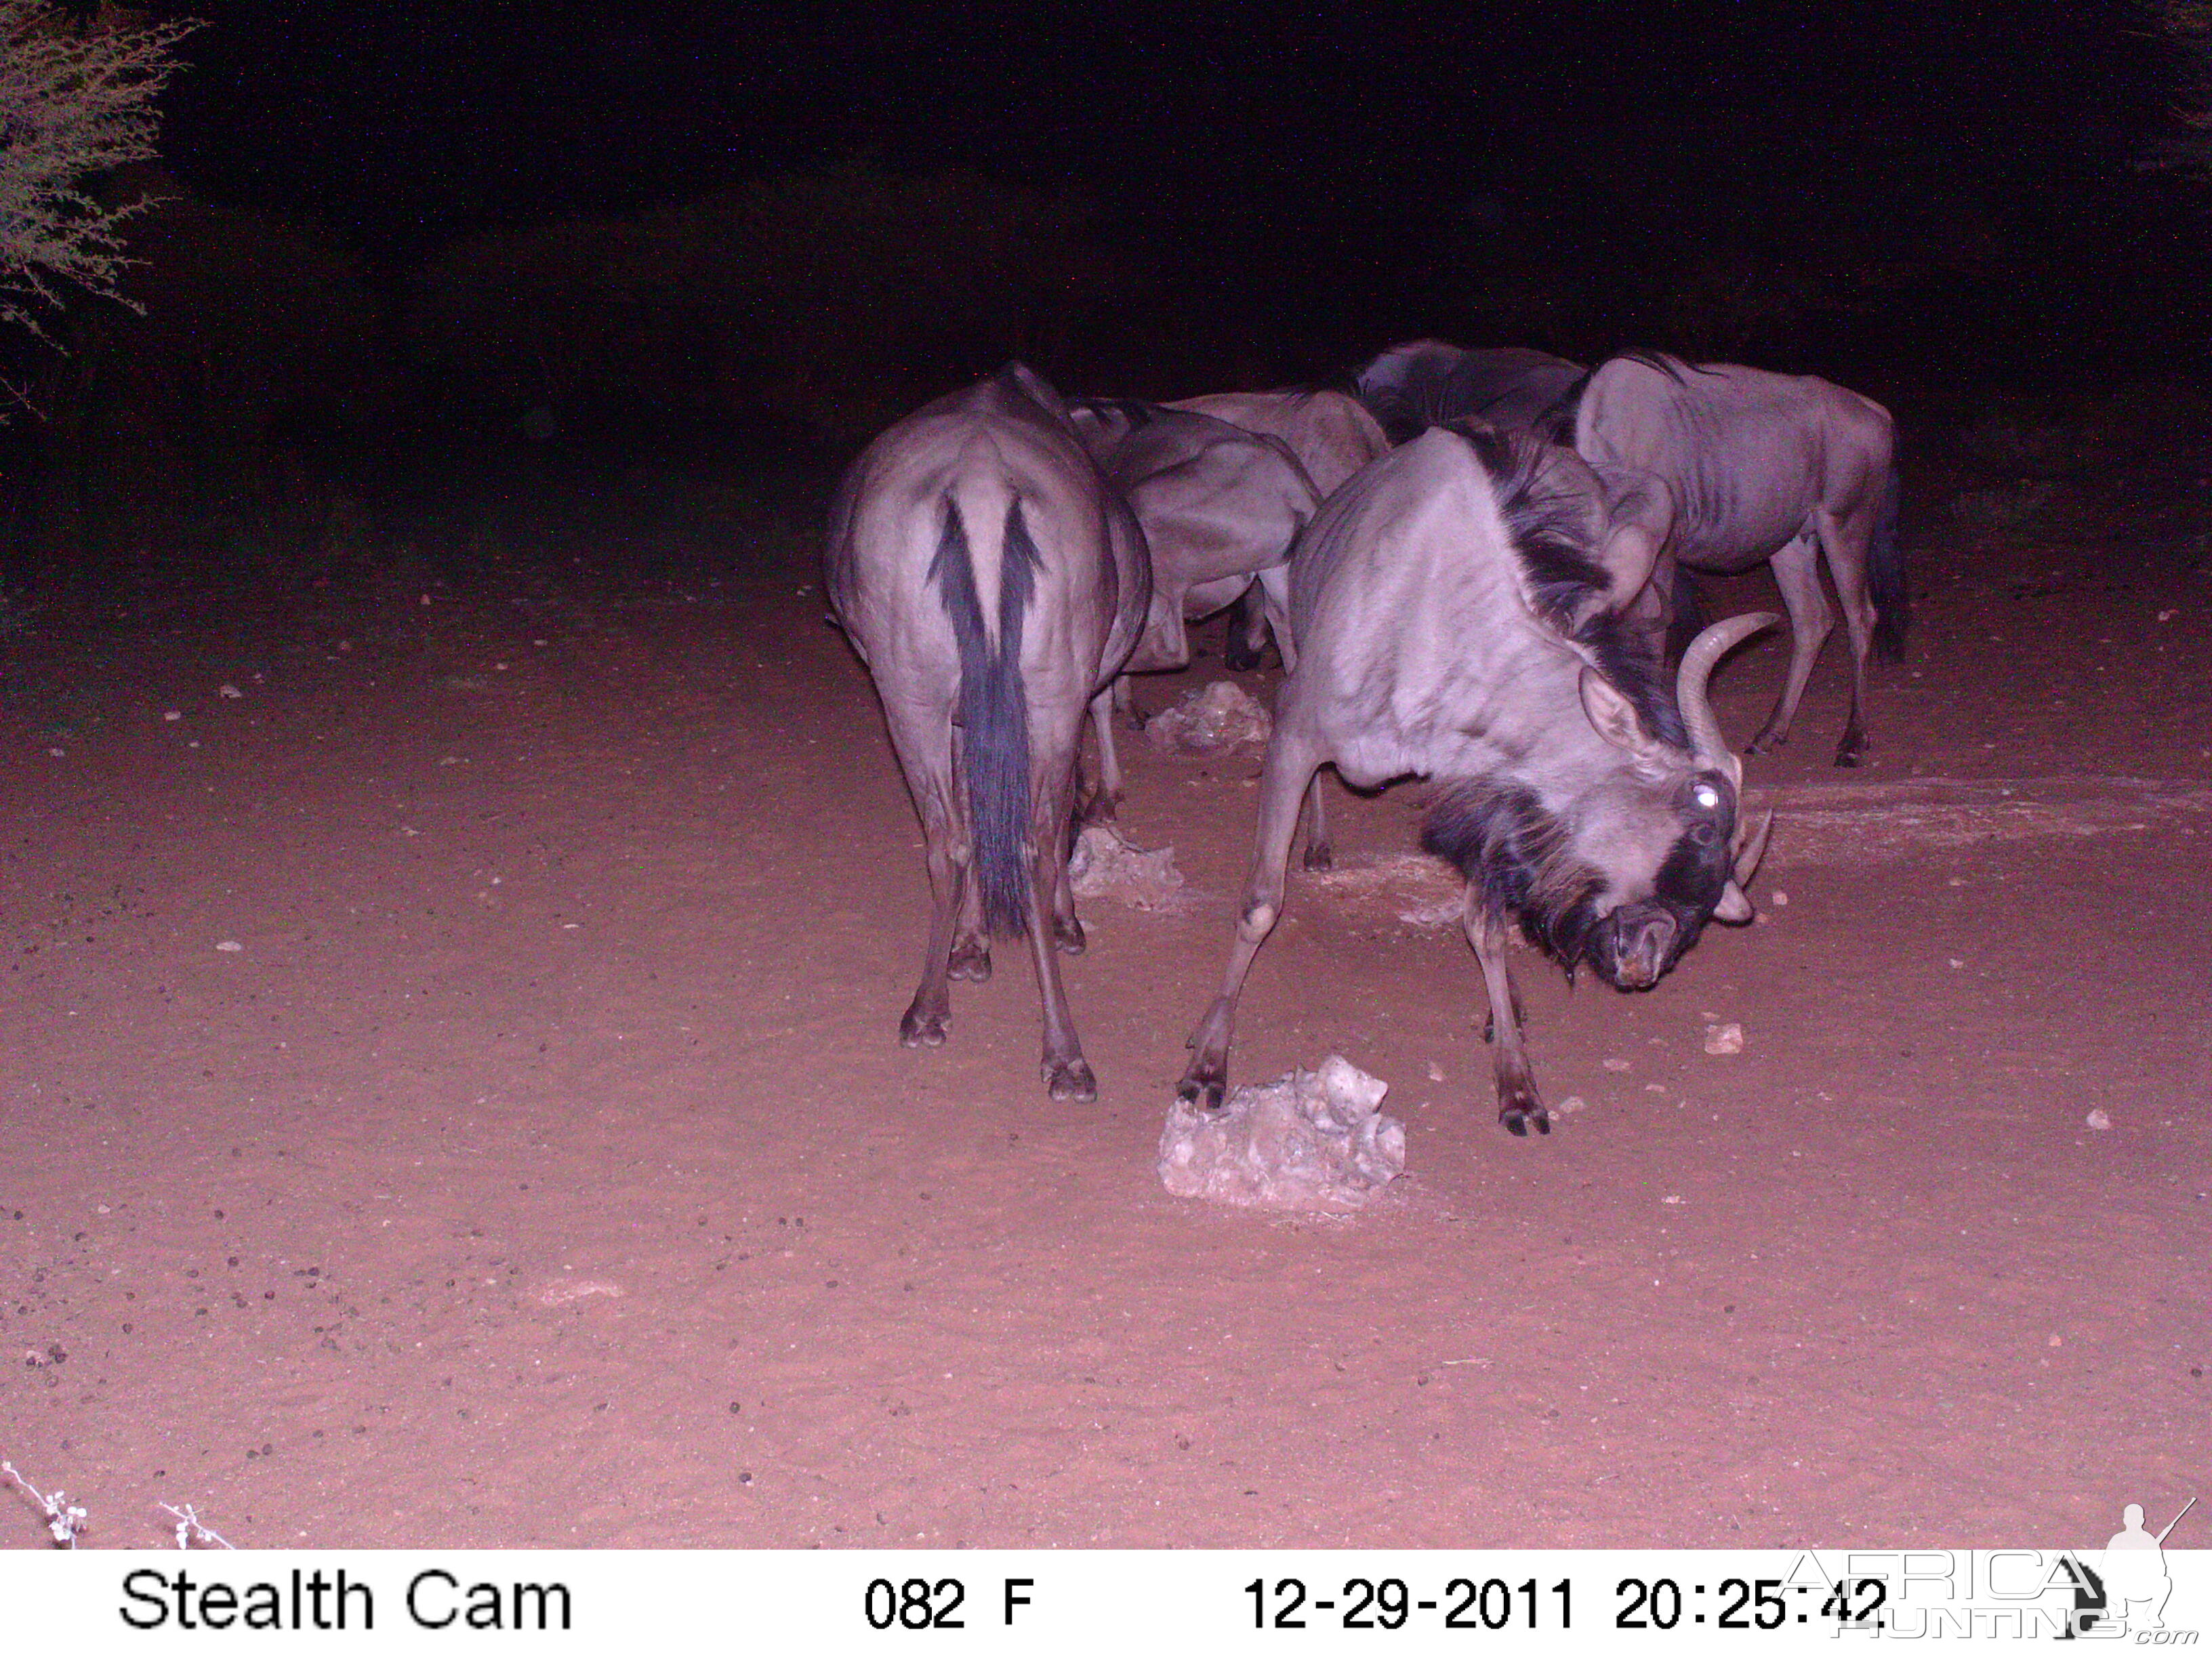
[(451, 1098)]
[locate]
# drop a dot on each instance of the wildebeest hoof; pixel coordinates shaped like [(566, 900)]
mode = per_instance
[(1851, 751), (1766, 742), (1320, 855), (970, 960), (924, 1028), (1070, 1079), (1204, 1092), (1068, 938), (1520, 1116), (1242, 658)]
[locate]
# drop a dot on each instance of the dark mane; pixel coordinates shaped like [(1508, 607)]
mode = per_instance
[(1550, 532), (1517, 861), (1675, 368)]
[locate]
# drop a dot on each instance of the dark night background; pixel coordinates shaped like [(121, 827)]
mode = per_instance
[(412, 252)]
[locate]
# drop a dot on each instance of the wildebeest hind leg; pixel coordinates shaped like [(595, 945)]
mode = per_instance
[(1107, 798), (970, 956), (1798, 574), (1519, 1106), (1067, 935), (1845, 540), (1067, 1075), (927, 1015), (1290, 764)]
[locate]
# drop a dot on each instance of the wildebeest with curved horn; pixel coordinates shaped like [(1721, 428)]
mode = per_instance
[(1448, 608), (993, 583), (1760, 468)]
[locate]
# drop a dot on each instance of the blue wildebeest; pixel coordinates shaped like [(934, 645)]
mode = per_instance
[(1760, 468), (993, 582), (1449, 610), (1424, 383), (1780, 469), (1219, 506), (1331, 434)]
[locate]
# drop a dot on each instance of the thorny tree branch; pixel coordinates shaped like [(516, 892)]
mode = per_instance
[(76, 101)]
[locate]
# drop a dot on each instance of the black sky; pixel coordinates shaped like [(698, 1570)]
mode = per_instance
[(398, 126)]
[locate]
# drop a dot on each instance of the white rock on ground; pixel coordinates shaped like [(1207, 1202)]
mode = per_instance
[(1309, 1141), (1207, 721), (1105, 865)]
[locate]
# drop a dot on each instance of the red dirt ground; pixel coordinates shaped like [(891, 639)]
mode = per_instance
[(541, 1168)]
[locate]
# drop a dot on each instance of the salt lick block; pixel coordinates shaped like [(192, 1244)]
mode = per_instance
[(1309, 1141), (1207, 721)]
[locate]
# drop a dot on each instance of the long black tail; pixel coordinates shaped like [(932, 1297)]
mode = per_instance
[(994, 712), (1893, 604)]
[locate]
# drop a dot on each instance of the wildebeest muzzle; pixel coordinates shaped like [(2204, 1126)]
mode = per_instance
[(1636, 944)]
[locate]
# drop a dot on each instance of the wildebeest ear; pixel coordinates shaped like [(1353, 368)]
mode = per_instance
[(1734, 906), (1614, 716)]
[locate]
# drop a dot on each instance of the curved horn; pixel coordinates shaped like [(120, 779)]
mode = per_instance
[(1706, 742), (1750, 849)]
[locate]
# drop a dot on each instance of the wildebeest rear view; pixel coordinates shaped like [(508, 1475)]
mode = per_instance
[(1440, 602), (995, 585)]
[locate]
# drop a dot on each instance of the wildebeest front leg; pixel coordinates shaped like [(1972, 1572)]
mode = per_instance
[(1519, 1106), (1798, 574), (1245, 646), (1319, 854), (1283, 781)]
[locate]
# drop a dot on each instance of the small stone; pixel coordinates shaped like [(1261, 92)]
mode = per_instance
[(230, 945), (1615, 1065), (172, 714), (1435, 1073), (1778, 898), (1572, 1103), (1724, 1039), (228, 690), (2097, 1119)]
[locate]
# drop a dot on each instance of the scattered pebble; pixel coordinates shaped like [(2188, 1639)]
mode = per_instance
[(1777, 897), (1435, 1073), (1954, 962), (228, 691), (1672, 1198), (1615, 1065), (230, 945), (172, 714), (2097, 1119), (2167, 616), (2057, 1340), (1572, 1103), (1724, 1039)]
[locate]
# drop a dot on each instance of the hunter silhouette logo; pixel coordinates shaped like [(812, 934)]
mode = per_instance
[(2135, 1582)]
